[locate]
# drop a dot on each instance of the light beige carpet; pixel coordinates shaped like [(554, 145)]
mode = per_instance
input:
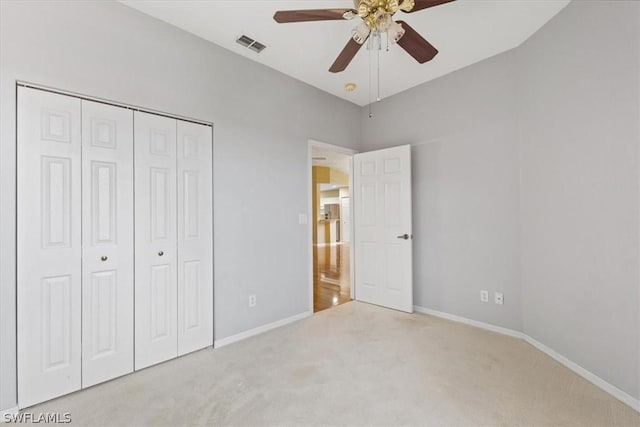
[(354, 364)]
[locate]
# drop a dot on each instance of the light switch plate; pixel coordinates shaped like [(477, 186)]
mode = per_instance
[(302, 219)]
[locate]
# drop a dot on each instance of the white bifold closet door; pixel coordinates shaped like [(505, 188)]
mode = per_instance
[(195, 237), (108, 279), (48, 245), (107, 242), (75, 244), (174, 246), (156, 288)]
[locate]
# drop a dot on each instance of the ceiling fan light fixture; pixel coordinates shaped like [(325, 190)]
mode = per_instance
[(407, 5), (361, 32), (349, 14), (392, 6), (395, 32), (384, 22), (363, 8)]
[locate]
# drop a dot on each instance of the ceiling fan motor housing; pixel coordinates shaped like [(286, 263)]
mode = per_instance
[(377, 13)]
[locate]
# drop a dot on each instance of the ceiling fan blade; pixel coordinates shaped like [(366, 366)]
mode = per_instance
[(415, 45), (345, 57), (424, 4), (285, 16)]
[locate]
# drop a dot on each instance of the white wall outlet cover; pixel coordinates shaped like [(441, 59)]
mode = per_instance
[(302, 219), (252, 301), (499, 298), (484, 296)]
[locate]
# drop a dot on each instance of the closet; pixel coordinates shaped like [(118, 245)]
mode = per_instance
[(114, 241)]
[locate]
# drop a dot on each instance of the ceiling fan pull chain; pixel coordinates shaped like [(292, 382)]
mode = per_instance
[(370, 113), (378, 74)]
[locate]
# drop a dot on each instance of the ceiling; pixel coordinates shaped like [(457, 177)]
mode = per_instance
[(332, 159), (331, 187), (464, 31)]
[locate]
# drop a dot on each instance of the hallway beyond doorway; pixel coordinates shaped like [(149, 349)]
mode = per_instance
[(331, 283), (331, 225)]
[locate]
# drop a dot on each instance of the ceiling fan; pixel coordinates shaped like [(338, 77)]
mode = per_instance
[(376, 18)]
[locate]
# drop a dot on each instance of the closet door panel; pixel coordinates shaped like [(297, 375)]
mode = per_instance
[(195, 244), (48, 245), (155, 240), (107, 235)]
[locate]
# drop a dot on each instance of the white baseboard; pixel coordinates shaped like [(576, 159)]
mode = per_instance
[(5, 412), (260, 329), (588, 375), (459, 319)]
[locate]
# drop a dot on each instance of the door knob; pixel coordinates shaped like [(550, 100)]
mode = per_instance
[(104, 258), (160, 253), (404, 236)]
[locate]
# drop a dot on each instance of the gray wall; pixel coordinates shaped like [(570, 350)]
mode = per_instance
[(526, 180), (579, 110), (526, 175), (465, 187), (263, 121)]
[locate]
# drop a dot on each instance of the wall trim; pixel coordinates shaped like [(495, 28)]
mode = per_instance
[(260, 329), (588, 375), (5, 412), (609, 388), (466, 321)]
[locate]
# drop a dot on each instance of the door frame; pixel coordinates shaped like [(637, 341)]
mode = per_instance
[(312, 143)]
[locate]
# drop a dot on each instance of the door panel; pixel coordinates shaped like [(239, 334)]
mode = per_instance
[(345, 215), (382, 212), (155, 240), (107, 254), (48, 245), (195, 244)]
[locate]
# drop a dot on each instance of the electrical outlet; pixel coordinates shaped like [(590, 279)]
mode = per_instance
[(498, 298), (484, 296), (252, 301)]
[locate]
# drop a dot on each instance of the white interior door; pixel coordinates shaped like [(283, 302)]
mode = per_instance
[(195, 237), (107, 242), (345, 216), (49, 249), (155, 240), (382, 208)]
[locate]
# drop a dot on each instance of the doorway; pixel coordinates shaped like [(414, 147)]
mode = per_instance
[(331, 225)]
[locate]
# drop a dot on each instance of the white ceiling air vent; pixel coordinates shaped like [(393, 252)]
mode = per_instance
[(250, 43)]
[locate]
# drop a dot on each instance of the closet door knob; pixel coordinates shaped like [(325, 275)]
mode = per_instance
[(160, 253), (104, 258)]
